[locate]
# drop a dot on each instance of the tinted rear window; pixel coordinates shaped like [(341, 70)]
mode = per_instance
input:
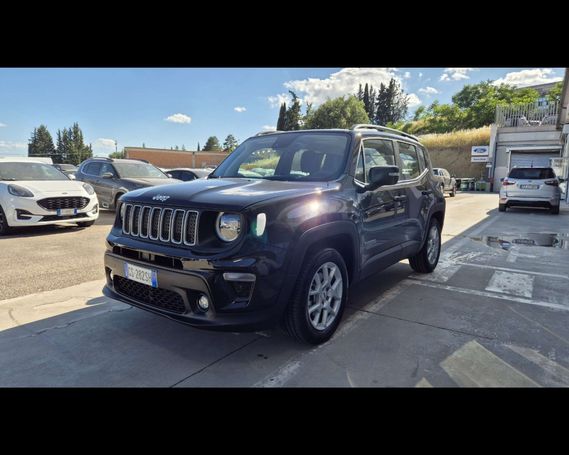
[(532, 173)]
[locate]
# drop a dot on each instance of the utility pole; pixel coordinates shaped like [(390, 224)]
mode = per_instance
[(116, 146)]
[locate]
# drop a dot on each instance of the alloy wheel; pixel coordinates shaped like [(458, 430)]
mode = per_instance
[(325, 296)]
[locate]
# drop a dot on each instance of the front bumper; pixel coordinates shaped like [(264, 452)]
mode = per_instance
[(257, 307), (22, 212)]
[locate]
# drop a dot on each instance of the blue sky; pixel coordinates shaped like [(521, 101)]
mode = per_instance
[(164, 107)]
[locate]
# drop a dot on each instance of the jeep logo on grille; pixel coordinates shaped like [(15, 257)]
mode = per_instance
[(160, 197)]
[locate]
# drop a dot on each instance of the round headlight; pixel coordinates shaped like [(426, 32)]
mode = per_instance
[(228, 226), (20, 191), (89, 189)]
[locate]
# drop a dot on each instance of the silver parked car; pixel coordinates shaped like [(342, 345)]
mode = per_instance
[(530, 187), (448, 182)]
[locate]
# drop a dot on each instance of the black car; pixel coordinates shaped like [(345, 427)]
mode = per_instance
[(111, 178), (279, 231)]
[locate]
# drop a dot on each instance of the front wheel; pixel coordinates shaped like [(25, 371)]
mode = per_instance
[(453, 191), (502, 207), (427, 259), (4, 228), (319, 299)]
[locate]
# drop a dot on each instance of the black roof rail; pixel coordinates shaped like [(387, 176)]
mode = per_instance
[(365, 126)]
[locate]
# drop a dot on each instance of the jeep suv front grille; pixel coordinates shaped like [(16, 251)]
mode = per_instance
[(162, 224), (54, 203)]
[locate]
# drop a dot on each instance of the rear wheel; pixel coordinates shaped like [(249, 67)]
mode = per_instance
[(4, 228), (502, 207), (319, 300), (427, 259)]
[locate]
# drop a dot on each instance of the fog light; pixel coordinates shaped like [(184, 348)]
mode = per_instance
[(203, 302)]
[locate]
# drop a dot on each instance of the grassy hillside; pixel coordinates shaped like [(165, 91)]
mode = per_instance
[(457, 139)]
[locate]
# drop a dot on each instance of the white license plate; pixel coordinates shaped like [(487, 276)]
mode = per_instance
[(65, 212), (141, 275), (529, 187)]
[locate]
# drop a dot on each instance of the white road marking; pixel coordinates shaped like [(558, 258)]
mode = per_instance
[(519, 284), (559, 375), (475, 366), (506, 269), (444, 271), (423, 383), (491, 295)]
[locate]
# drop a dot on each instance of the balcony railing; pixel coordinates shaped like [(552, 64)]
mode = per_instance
[(527, 115)]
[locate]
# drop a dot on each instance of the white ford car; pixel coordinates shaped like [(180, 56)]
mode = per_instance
[(33, 193)]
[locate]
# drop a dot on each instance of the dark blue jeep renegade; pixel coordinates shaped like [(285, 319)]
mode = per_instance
[(279, 231)]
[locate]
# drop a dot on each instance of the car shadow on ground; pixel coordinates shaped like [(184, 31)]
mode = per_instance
[(106, 218)]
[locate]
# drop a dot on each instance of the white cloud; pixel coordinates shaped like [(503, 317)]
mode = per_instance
[(529, 77), (341, 83), (179, 118), (420, 74), (105, 143), (413, 100), (10, 145), (407, 75), (269, 128), (239, 109), (456, 74), (429, 90), (2, 125), (277, 100)]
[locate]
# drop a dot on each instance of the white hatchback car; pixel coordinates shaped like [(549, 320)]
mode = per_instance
[(33, 193), (530, 187)]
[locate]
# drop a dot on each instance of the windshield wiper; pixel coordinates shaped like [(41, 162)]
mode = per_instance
[(9, 180)]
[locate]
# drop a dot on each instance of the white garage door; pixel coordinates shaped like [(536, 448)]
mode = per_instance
[(532, 159)]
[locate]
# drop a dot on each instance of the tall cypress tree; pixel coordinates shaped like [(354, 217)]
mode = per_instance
[(281, 122), (293, 117), (199, 150), (41, 142)]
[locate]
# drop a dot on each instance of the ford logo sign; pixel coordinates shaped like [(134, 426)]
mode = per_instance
[(160, 197)]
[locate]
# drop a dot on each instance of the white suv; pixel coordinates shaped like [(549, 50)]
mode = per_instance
[(33, 193), (530, 187)]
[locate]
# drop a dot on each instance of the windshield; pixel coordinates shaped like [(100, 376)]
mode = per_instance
[(139, 171), (535, 173), (29, 171), (304, 156)]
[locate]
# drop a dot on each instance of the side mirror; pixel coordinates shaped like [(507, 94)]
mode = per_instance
[(382, 175), (169, 175), (108, 175), (561, 180), (71, 177)]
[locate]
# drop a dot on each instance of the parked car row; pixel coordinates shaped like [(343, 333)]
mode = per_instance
[(36, 192)]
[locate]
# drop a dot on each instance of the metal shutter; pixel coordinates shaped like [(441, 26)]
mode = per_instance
[(532, 159)]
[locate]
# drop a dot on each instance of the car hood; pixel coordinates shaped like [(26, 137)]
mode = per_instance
[(151, 182), (52, 186), (228, 193)]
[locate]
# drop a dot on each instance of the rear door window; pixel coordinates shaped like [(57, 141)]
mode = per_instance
[(93, 169), (375, 152), (410, 166), (532, 173)]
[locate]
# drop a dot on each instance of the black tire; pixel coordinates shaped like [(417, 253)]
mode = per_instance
[(84, 224), (4, 228), (296, 318), (502, 207), (453, 191), (554, 210), (420, 262), (117, 203)]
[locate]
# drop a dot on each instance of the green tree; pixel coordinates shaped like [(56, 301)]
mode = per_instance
[(230, 143), (391, 103), (118, 155), (281, 122), (199, 150), (212, 144), (554, 94), (293, 116), (338, 113), (41, 142)]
